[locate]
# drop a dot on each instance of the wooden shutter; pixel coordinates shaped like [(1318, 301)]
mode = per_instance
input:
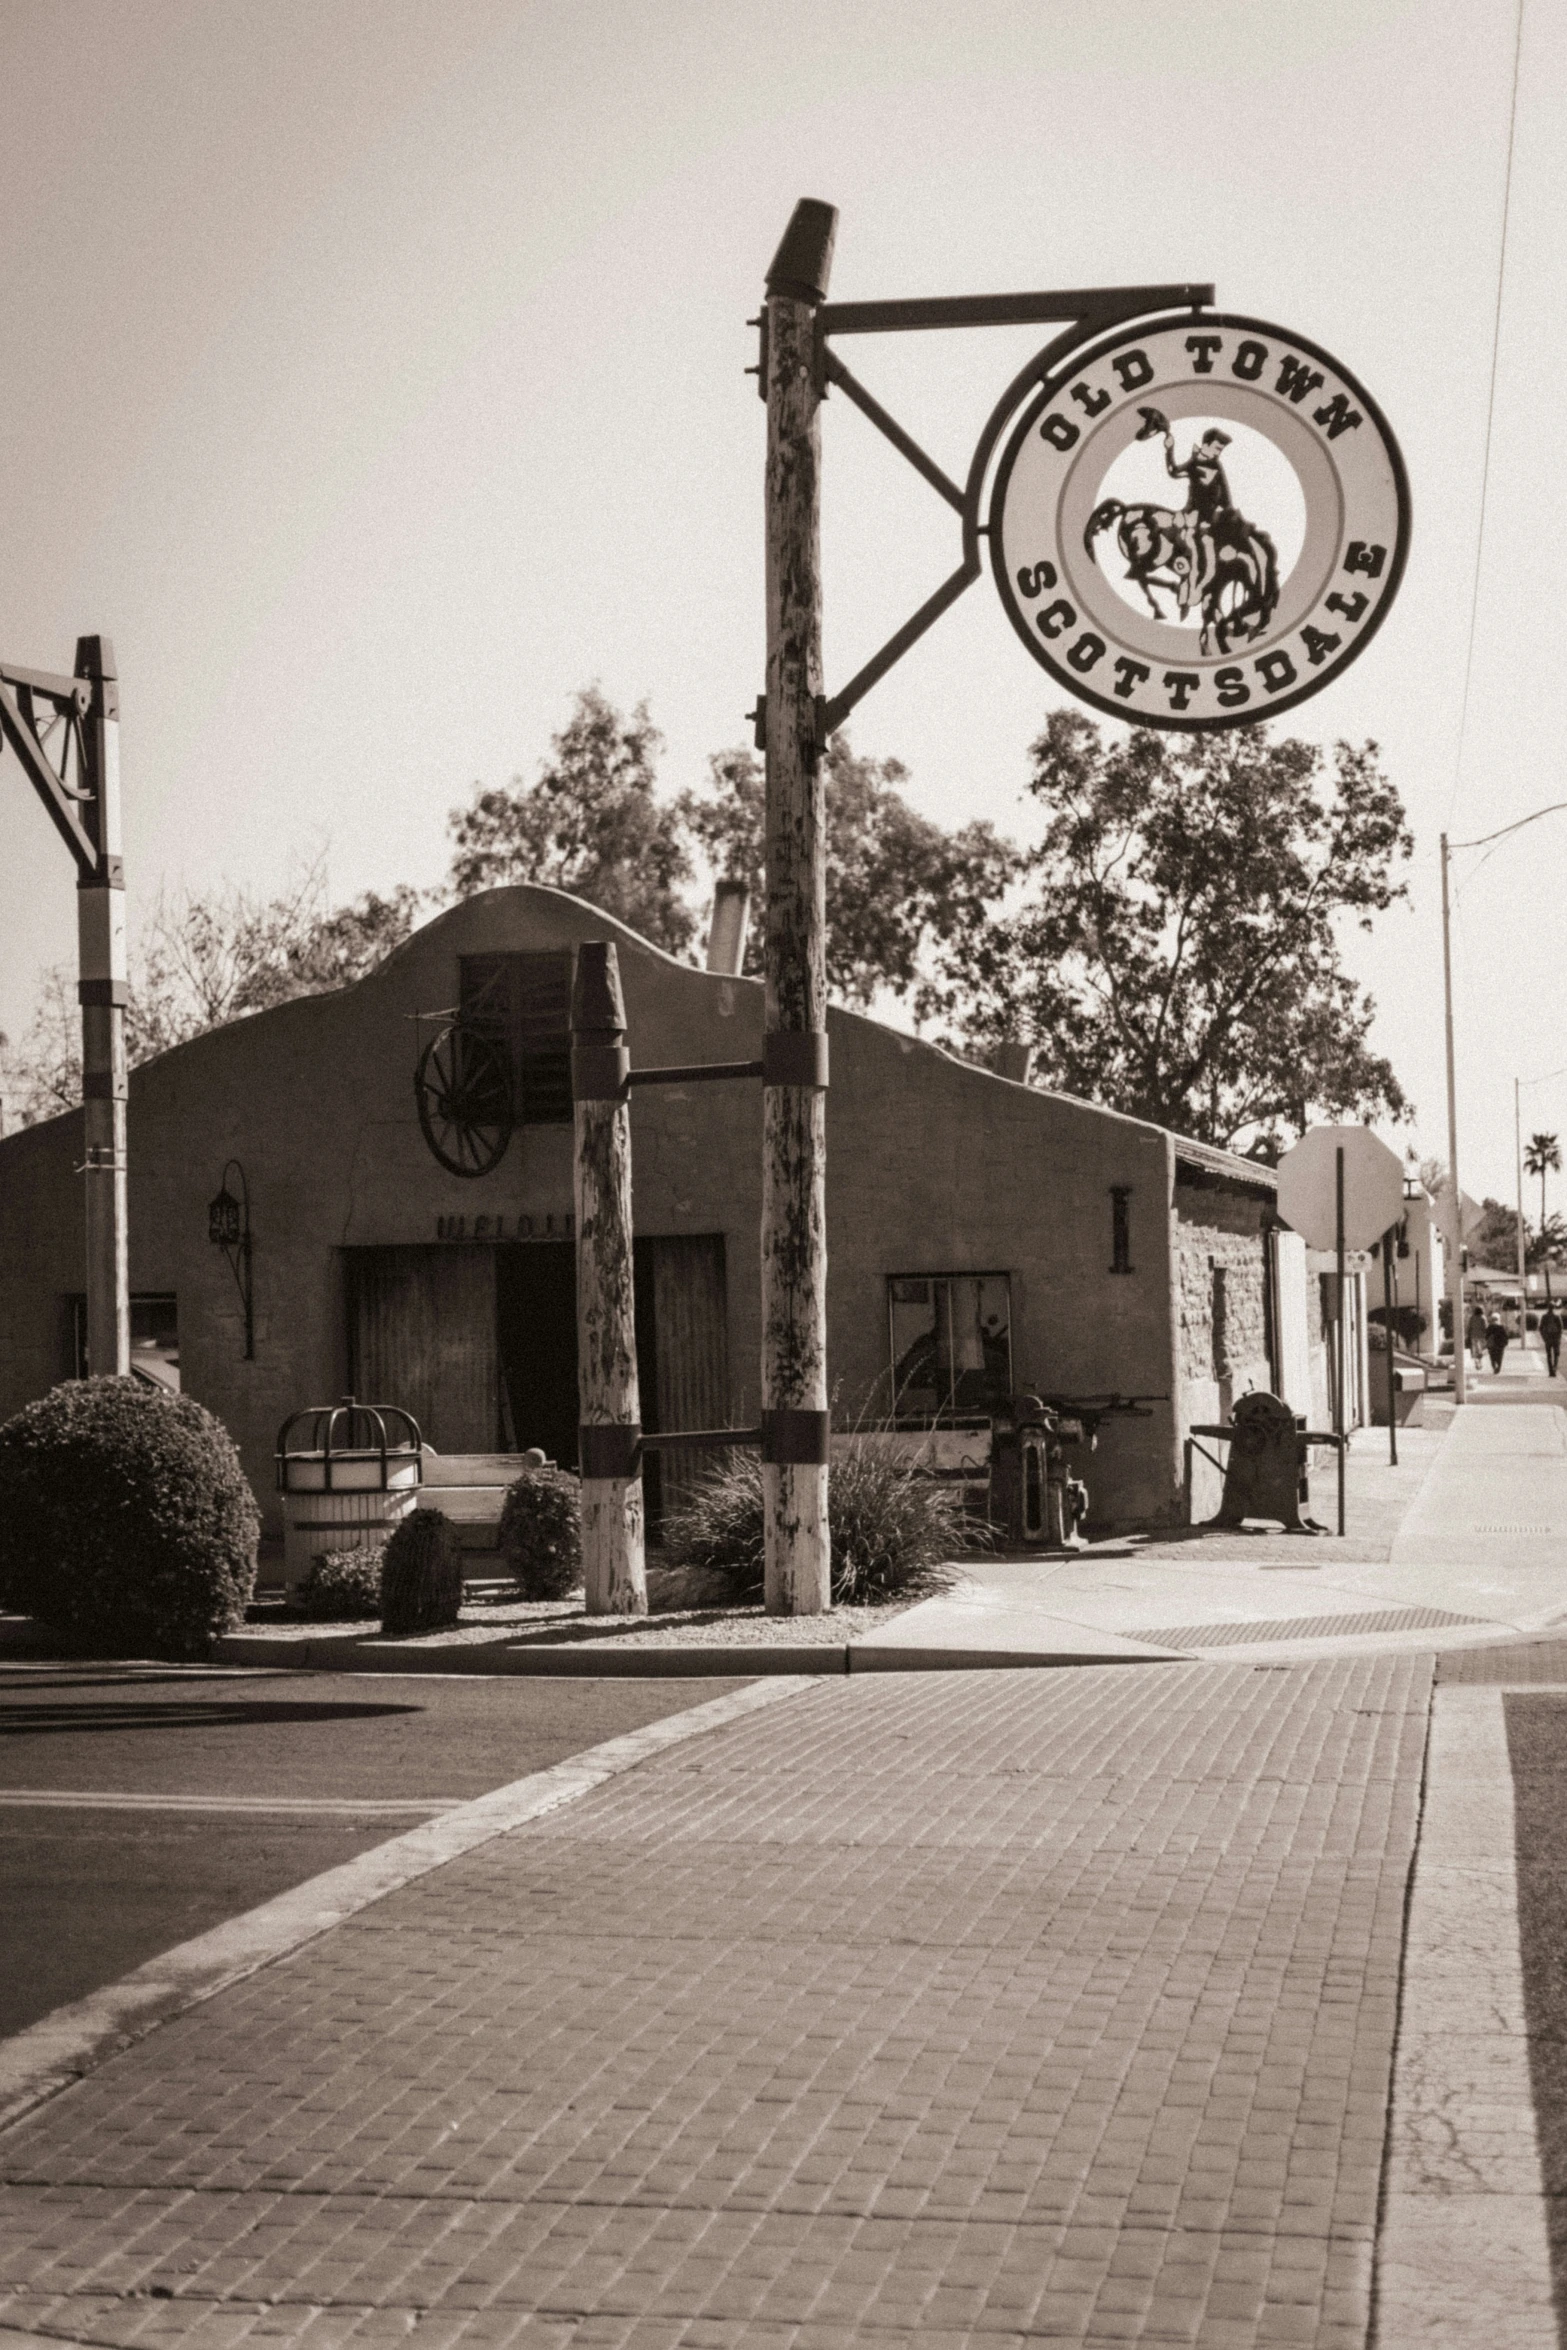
[(421, 1333)]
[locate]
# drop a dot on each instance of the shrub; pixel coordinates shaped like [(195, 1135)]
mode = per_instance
[(892, 1529), (342, 1584), (125, 1519), (541, 1533), (421, 1575)]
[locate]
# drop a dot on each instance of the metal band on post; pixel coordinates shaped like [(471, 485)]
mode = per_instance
[(610, 1450), (792, 1056), (802, 1439), (599, 1072)]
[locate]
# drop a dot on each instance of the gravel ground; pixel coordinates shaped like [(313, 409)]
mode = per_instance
[(553, 1624)]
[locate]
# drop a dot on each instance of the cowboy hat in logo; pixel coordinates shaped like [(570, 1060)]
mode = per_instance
[(1199, 520)]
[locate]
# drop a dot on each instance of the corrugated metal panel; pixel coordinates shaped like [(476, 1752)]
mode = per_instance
[(421, 1324), (691, 1348)]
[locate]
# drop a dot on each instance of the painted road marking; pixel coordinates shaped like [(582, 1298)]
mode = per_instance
[(332, 1807), (60, 2047)]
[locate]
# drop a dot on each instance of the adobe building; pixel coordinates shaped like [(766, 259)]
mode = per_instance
[(983, 1236)]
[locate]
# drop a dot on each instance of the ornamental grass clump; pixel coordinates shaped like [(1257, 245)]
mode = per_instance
[(421, 1575), (541, 1533), (126, 1522), (343, 1586), (893, 1530)]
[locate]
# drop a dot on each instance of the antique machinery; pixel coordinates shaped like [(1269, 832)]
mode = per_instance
[(1033, 1492)]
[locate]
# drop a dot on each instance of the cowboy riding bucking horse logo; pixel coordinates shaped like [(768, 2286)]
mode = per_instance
[(1206, 554)]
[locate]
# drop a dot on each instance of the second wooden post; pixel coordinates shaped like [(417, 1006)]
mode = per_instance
[(609, 1435), (795, 1419)]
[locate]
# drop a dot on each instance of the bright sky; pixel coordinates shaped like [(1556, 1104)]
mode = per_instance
[(372, 374)]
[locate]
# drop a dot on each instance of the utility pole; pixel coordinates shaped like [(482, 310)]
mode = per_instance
[(102, 988), (609, 1410), (1455, 1261), (795, 1416), (65, 733)]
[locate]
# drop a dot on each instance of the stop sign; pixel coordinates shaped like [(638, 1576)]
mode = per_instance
[(1373, 1186)]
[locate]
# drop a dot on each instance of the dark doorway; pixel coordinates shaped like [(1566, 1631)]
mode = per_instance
[(536, 1326), (682, 1357), (421, 1333)]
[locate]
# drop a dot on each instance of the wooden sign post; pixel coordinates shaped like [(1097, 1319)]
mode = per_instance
[(609, 1435), (795, 1417)]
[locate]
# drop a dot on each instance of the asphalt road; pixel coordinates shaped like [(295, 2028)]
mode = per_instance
[(250, 1782)]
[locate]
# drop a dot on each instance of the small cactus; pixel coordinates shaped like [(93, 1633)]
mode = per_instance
[(421, 1575)]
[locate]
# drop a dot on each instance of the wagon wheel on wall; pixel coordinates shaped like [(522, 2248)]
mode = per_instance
[(463, 1088)]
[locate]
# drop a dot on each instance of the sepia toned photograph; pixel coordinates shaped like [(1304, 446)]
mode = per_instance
[(783, 1061)]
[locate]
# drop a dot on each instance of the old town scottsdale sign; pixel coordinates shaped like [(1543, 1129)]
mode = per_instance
[(1198, 520)]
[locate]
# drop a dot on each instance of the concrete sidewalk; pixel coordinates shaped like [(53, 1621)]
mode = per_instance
[(1465, 1540)]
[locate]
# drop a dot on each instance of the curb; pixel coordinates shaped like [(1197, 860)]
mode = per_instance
[(49, 2055), (626, 1663)]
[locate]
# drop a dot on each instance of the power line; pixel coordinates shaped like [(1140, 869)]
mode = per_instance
[(1490, 417)]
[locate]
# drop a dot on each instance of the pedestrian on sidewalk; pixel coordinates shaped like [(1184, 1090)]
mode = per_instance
[(1551, 1336), (1475, 1333), (1496, 1337)]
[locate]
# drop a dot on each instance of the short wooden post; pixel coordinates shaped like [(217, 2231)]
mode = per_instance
[(609, 1435), (102, 989), (795, 1418)]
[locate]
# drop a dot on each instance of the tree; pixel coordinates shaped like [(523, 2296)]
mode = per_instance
[(1176, 955), (591, 824), (898, 886), (1543, 1156), (202, 960), (1493, 1239)]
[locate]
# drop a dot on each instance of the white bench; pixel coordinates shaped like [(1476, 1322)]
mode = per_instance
[(470, 1489)]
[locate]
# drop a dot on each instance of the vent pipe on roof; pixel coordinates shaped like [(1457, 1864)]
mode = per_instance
[(731, 922), (1015, 1060)]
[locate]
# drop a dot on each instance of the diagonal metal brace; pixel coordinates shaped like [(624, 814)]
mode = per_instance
[(903, 442), (56, 796)]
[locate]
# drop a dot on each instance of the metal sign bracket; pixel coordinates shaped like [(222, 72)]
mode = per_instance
[(1082, 314)]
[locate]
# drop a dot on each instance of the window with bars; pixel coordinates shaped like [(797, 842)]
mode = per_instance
[(523, 1002), (951, 1336)]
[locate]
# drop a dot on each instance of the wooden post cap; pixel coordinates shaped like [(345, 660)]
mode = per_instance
[(598, 1009), (802, 264)]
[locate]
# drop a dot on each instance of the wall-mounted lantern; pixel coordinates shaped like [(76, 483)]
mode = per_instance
[(228, 1228)]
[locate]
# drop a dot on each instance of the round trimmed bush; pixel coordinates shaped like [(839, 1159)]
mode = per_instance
[(343, 1584), (541, 1533), (126, 1522), (421, 1575), (892, 1528)]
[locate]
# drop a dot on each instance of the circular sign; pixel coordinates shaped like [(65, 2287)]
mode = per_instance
[(1199, 520)]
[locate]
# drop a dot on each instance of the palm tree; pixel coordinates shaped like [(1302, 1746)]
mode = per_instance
[(1544, 1153)]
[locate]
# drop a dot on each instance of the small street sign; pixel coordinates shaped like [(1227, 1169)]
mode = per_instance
[(1198, 521), (1373, 1186)]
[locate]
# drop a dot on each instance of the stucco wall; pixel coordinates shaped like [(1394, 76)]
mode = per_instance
[(934, 1167), (1222, 1309)]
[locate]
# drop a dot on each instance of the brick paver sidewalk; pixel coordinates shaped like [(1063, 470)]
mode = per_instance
[(953, 2007)]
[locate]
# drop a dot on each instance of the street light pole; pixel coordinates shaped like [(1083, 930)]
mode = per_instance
[(1455, 1260), (1523, 1293), (1455, 1273)]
